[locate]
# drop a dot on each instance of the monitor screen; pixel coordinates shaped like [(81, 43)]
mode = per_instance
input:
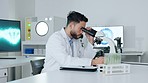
[(10, 36), (110, 32)]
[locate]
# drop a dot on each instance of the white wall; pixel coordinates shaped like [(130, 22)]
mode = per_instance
[(4, 6), (7, 9), (133, 14), (17, 9), (23, 9)]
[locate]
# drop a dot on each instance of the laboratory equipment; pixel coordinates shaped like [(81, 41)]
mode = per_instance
[(112, 58), (113, 69), (100, 53), (111, 32), (119, 49), (10, 35), (40, 28), (99, 37)]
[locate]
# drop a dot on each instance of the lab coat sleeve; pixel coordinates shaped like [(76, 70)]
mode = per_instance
[(89, 52), (56, 48)]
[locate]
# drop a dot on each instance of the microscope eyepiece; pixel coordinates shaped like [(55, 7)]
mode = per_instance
[(91, 32)]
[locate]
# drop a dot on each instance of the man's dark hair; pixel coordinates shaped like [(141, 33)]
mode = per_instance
[(74, 16)]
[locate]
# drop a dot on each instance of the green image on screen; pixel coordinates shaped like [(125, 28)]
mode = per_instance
[(10, 36)]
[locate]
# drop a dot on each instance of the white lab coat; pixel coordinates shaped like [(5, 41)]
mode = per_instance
[(59, 53)]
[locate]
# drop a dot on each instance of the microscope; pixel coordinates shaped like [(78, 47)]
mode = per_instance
[(119, 49), (112, 60), (99, 37)]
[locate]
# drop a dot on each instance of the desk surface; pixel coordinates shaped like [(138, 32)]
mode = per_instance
[(138, 74), (138, 53), (19, 61)]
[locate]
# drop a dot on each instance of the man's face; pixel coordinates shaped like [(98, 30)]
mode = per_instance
[(76, 31)]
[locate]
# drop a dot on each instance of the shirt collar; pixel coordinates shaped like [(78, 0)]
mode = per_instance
[(65, 35)]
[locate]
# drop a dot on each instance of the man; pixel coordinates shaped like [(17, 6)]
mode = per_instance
[(64, 47)]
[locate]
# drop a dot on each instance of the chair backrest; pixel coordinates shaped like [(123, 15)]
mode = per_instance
[(37, 66)]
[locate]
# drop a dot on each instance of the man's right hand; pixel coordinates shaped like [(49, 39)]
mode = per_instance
[(97, 61), (90, 38)]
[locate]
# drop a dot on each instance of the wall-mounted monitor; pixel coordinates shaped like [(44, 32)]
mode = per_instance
[(111, 32), (10, 35)]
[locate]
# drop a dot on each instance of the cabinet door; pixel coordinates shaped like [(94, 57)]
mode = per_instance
[(3, 79), (26, 70), (3, 72), (3, 75)]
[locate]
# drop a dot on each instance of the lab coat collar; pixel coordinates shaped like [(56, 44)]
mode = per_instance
[(65, 36), (63, 33)]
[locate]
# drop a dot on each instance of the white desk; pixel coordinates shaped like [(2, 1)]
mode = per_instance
[(138, 74), (19, 61), (139, 54), (7, 63)]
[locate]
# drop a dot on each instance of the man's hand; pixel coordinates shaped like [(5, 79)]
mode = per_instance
[(96, 61), (90, 38)]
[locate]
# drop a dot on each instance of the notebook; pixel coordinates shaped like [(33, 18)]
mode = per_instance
[(79, 68)]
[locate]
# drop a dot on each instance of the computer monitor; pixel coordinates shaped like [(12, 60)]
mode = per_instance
[(10, 35), (111, 32)]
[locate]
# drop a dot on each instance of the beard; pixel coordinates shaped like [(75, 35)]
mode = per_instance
[(75, 36)]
